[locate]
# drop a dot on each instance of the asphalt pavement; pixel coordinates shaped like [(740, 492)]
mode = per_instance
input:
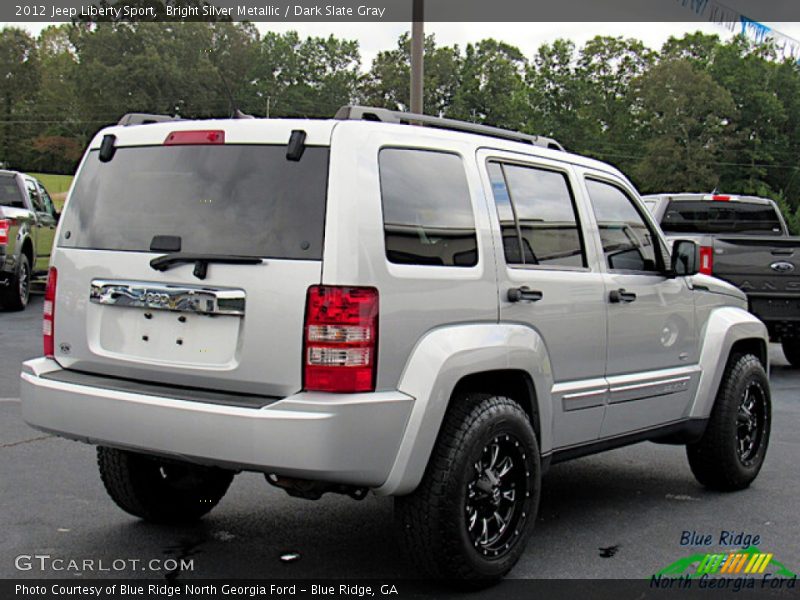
[(616, 515)]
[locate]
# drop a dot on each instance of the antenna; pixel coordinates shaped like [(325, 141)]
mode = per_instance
[(235, 112)]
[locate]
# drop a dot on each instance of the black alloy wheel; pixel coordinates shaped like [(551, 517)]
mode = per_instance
[(497, 495), (751, 421)]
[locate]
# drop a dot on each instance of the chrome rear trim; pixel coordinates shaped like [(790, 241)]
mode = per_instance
[(155, 296)]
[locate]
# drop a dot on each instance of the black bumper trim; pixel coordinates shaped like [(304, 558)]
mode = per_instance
[(162, 390)]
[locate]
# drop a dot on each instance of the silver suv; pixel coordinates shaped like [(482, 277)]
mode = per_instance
[(436, 313)]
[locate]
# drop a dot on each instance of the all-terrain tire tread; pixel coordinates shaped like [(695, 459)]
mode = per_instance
[(116, 477), (714, 466), (118, 471), (432, 547)]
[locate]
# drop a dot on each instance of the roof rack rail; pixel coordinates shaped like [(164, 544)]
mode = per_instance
[(144, 119), (384, 115)]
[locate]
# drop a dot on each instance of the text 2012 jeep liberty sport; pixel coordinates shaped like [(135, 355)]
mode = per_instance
[(435, 313)]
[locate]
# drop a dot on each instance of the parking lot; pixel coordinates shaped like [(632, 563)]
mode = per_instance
[(616, 515)]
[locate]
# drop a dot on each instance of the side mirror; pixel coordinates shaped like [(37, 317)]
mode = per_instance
[(685, 258)]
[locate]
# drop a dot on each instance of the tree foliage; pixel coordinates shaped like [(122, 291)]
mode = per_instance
[(20, 77), (689, 119), (698, 114), (387, 83), (290, 76)]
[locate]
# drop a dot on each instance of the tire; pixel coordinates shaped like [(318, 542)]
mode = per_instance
[(731, 452), (791, 350), (161, 491), (446, 524), (15, 295)]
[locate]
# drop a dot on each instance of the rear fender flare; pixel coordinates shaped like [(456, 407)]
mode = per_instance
[(439, 361)]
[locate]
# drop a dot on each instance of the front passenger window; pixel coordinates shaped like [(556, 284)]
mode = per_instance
[(33, 194), (47, 202), (628, 243)]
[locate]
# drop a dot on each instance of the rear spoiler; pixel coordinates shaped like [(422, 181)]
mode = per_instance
[(145, 118)]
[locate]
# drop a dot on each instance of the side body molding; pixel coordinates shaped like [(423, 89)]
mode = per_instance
[(442, 358), (724, 327)]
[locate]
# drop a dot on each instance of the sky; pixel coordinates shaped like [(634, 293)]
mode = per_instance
[(374, 37)]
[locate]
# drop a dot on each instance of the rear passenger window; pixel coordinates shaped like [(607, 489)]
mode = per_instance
[(537, 216), (427, 212)]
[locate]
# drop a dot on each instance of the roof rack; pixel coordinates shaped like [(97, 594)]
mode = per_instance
[(144, 119), (384, 115)]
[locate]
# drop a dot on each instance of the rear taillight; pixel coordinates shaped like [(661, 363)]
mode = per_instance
[(341, 335), (706, 259), (49, 323), (5, 225)]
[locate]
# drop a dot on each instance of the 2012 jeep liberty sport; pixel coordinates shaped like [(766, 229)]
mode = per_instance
[(436, 313)]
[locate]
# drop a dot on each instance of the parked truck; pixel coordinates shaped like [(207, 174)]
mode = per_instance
[(28, 221), (743, 240)]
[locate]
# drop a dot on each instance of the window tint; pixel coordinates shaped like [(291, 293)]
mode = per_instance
[(628, 243), (9, 192), (537, 214), (33, 194), (709, 216), (219, 199), (47, 201), (427, 213)]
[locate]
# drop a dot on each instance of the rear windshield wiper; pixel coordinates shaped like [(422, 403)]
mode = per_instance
[(201, 261)]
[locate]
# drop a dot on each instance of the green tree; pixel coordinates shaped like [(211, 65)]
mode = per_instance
[(309, 77), (689, 118), (607, 68), (699, 48), (492, 88), (387, 84), (20, 76), (748, 73), (786, 178), (167, 68), (557, 96), (53, 143)]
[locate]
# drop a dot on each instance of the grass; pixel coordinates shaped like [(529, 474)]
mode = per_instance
[(56, 185)]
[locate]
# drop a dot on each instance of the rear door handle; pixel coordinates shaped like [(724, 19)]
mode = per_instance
[(620, 296), (524, 293)]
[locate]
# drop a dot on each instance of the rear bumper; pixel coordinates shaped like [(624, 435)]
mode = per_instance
[(343, 438)]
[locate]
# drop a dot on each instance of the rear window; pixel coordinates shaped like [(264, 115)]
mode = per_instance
[(224, 199), (9, 192), (709, 216)]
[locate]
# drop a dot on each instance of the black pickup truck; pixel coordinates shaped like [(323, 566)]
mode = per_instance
[(744, 240), (28, 221)]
